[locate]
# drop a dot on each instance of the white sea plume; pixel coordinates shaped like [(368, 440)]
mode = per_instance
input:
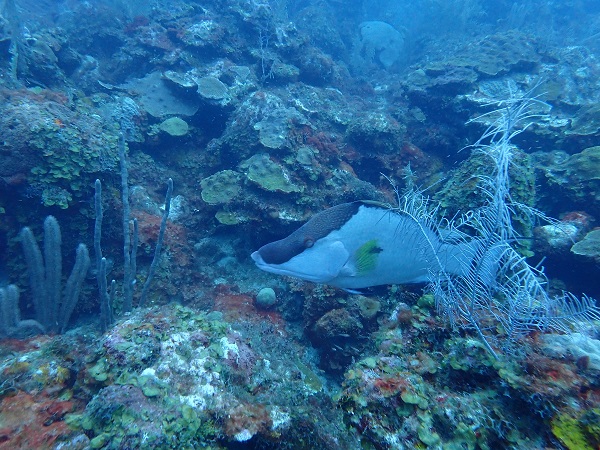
[(498, 295)]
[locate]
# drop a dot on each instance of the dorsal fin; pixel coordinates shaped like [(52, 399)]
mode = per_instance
[(376, 203)]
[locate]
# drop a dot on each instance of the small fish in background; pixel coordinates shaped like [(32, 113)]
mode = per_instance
[(362, 244)]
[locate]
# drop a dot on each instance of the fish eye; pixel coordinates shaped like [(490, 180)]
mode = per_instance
[(308, 242)]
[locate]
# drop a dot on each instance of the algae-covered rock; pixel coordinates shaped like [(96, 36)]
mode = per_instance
[(222, 187), (269, 175), (493, 55), (275, 126), (376, 132), (585, 166), (284, 72), (570, 432), (577, 176), (202, 33), (589, 245), (586, 122), (462, 191), (174, 126), (229, 218), (311, 379), (335, 323), (260, 123)]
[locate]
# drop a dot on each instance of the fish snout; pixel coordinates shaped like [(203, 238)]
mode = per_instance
[(257, 258)]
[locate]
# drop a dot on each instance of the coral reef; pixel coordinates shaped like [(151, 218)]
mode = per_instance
[(55, 145), (207, 382), (263, 113), (409, 394)]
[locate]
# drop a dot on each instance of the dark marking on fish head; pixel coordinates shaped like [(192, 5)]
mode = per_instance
[(307, 235)]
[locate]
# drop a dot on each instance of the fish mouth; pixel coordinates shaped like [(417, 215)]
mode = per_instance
[(262, 265), (258, 259)]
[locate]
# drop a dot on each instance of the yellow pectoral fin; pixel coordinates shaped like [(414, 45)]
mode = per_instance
[(365, 257)]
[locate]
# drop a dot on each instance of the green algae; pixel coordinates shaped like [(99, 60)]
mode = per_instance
[(570, 432), (100, 370)]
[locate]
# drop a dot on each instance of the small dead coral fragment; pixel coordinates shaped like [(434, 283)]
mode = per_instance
[(377, 131), (578, 175), (269, 175), (222, 187)]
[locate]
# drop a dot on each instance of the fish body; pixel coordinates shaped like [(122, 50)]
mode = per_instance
[(359, 244)]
